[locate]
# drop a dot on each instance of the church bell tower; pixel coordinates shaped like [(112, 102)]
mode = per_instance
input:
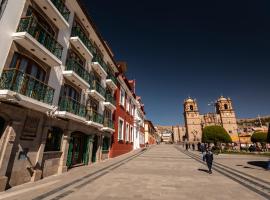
[(192, 121)]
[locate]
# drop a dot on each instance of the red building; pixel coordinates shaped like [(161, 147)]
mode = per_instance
[(123, 137)]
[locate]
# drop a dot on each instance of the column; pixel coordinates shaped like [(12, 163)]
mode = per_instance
[(38, 168), (11, 130), (100, 140), (64, 148), (90, 148)]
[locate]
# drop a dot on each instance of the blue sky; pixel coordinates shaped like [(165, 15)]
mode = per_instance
[(191, 48)]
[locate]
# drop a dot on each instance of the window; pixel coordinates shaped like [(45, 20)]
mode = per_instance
[(72, 93), (3, 4), (28, 66), (226, 106), (131, 134), (106, 144), (130, 107), (93, 105), (127, 132), (191, 107), (122, 97), (127, 105), (54, 138), (120, 129), (75, 57), (42, 22)]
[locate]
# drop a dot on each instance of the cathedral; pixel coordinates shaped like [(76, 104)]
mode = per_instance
[(195, 122)]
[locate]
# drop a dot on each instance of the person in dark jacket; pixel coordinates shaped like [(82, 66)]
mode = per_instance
[(186, 146), (193, 146), (209, 159)]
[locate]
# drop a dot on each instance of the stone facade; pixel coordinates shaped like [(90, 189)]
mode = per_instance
[(195, 122)]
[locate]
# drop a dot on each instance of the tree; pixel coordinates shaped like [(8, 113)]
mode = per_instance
[(260, 137), (215, 134)]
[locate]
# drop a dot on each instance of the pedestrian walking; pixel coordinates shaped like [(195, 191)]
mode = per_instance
[(203, 149), (186, 146), (209, 159), (193, 146)]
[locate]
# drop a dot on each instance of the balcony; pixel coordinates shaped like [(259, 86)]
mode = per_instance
[(34, 37), (56, 10), (109, 102), (81, 42), (71, 109), (94, 119), (21, 88), (97, 91), (108, 125), (111, 81), (76, 73), (99, 66)]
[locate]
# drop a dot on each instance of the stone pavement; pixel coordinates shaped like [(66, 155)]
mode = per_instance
[(254, 165), (162, 172)]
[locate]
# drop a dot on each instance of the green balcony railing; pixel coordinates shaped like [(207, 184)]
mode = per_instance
[(61, 7), (78, 69), (72, 106), (96, 86), (32, 26), (108, 123), (112, 77), (95, 117), (77, 32), (110, 98), (99, 59), (18, 81)]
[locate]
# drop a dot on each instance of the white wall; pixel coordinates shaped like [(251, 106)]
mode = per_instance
[(8, 25)]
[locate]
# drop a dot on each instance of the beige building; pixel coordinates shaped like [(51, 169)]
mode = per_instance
[(179, 133), (151, 134), (195, 122)]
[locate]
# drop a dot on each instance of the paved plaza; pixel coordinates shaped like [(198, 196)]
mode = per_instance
[(160, 172)]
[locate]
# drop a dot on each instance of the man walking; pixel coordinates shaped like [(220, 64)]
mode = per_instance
[(209, 159), (203, 149)]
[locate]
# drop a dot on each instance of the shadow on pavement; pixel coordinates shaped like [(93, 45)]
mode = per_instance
[(203, 170), (262, 164)]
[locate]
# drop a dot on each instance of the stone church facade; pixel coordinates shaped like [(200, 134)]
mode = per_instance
[(195, 122)]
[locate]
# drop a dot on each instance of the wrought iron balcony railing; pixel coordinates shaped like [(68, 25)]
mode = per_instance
[(61, 7), (95, 117), (99, 59), (110, 98), (18, 81), (72, 106), (112, 77), (32, 26), (77, 32), (108, 123), (96, 86), (78, 69)]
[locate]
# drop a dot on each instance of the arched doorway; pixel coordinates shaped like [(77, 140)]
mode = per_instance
[(78, 152), (95, 148), (2, 126)]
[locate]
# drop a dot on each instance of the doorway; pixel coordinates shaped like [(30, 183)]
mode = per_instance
[(78, 150), (95, 148)]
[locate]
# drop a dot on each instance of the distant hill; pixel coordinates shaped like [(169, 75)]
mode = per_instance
[(254, 121)]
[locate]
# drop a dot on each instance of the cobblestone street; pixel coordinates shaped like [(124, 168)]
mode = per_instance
[(161, 172)]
